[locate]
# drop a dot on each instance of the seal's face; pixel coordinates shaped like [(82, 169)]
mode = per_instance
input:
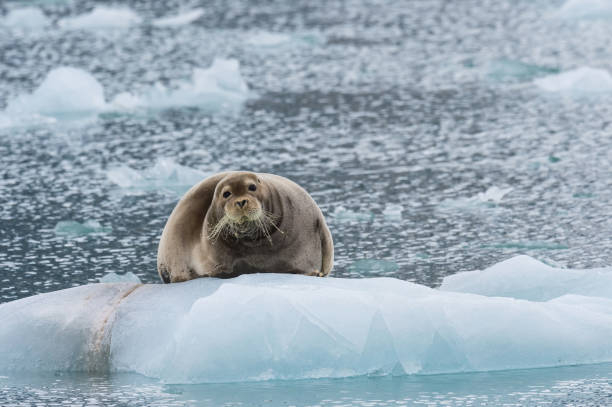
[(239, 208)]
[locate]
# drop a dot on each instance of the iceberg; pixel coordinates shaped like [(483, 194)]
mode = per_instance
[(27, 18), (184, 18), (281, 326), (101, 18), (580, 80)]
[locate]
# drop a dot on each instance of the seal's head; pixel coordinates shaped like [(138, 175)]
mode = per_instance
[(239, 208)]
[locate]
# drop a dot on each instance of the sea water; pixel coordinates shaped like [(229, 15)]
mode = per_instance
[(436, 137)]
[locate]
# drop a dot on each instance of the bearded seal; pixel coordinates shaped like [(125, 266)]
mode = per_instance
[(236, 223)]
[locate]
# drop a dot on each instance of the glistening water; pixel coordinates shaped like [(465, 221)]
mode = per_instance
[(436, 136)]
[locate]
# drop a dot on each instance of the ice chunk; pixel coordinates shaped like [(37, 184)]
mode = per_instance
[(341, 214), (526, 278), (372, 268), (220, 86), (504, 70), (65, 90), (585, 9), (579, 80), (165, 176), (72, 228), (490, 198), (102, 17), (179, 19), (268, 39), (27, 18), (282, 326), (128, 277), (393, 212)]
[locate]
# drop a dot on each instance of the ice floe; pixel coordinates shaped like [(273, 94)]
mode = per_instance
[(281, 326), (580, 80), (488, 199), (70, 228), (182, 18), (342, 214), (585, 9), (102, 17), (506, 70), (526, 278), (30, 18), (268, 39), (164, 176)]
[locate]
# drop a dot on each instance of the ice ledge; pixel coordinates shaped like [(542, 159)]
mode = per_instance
[(259, 327)]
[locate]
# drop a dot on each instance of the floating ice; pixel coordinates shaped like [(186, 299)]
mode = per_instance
[(268, 39), (393, 212), (526, 278), (219, 87), (27, 18), (282, 326), (508, 70), (102, 17), (73, 229), (372, 268), (128, 277), (580, 80), (64, 91), (184, 18), (165, 176), (490, 198), (341, 214), (585, 9)]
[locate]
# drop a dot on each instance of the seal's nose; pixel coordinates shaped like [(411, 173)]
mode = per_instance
[(242, 203)]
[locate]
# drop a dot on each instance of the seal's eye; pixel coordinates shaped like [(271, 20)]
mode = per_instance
[(252, 187), (226, 194)]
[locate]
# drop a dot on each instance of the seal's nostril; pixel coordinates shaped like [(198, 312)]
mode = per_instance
[(241, 203)]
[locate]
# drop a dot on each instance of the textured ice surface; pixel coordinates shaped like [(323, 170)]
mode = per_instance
[(102, 17), (128, 277), (72, 228), (579, 80), (585, 9), (280, 326), (27, 18), (526, 278), (164, 176), (183, 18)]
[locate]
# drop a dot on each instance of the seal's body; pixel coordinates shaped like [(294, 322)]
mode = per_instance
[(236, 223)]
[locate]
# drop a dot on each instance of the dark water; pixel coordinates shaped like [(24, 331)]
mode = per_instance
[(367, 104)]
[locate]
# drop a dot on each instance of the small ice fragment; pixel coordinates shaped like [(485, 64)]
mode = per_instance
[(493, 194), (268, 39), (179, 19), (585, 9), (128, 277), (165, 176), (579, 80), (73, 229), (342, 214), (504, 70), (393, 212), (27, 17), (102, 17), (372, 268), (65, 90)]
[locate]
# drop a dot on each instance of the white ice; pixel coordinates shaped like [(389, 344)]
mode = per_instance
[(281, 326), (489, 198), (183, 18), (221, 86), (30, 18), (580, 81), (585, 9), (102, 18), (70, 228), (342, 214), (128, 277), (526, 278), (268, 39), (65, 90), (164, 176), (69, 93)]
